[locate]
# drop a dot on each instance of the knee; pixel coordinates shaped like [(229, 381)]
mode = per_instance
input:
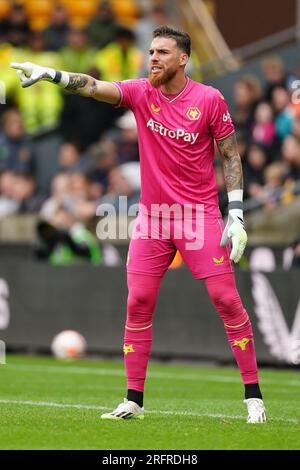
[(227, 301), (231, 310), (223, 293), (140, 300), (222, 297)]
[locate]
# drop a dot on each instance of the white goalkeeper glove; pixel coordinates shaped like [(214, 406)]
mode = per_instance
[(30, 73), (234, 229)]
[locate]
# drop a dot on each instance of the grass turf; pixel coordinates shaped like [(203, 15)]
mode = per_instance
[(48, 404)]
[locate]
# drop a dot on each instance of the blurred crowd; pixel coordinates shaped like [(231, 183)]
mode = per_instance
[(95, 157), (266, 114)]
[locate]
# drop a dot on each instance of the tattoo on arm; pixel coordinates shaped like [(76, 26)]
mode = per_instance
[(82, 84), (93, 88), (77, 81), (233, 171)]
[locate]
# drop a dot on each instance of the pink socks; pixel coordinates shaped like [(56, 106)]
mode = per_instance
[(141, 303), (225, 297)]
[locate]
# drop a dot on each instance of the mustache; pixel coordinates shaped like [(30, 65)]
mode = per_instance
[(163, 78)]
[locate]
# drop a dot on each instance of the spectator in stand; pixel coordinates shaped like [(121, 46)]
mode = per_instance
[(103, 27), (16, 27), (84, 121), (121, 59), (80, 186), (8, 203), (291, 155), (254, 167), (60, 194), (64, 240), (56, 32), (247, 94), (284, 118), (40, 106), (85, 195), (103, 157), (77, 54), (76, 192), (274, 175), (123, 180), (69, 158), (275, 75), (263, 129), (295, 102), (27, 194), (296, 128), (127, 143), (16, 150)]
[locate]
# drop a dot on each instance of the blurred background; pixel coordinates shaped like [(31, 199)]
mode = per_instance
[(62, 155)]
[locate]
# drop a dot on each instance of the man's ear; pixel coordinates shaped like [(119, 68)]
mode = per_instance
[(184, 58)]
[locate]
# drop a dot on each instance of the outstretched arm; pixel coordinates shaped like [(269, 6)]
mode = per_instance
[(86, 85), (233, 173), (79, 83)]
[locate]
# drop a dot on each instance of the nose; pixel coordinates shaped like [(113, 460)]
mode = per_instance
[(154, 56)]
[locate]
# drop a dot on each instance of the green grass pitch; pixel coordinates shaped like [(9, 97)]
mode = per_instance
[(49, 404)]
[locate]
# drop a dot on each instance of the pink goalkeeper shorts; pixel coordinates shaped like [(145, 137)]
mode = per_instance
[(155, 241)]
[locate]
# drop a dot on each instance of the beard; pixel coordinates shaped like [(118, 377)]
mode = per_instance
[(162, 78)]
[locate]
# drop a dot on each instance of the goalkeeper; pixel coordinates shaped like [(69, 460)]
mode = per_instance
[(179, 121)]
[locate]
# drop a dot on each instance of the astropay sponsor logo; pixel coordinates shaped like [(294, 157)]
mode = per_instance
[(172, 134)]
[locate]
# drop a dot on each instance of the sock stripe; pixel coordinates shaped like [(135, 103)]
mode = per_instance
[(236, 326), (138, 329)]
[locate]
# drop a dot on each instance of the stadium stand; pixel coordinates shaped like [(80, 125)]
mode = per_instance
[(65, 35)]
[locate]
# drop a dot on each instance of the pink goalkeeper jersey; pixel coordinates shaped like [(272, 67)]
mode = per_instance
[(176, 142)]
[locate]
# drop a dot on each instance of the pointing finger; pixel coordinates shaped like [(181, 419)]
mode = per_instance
[(16, 65)]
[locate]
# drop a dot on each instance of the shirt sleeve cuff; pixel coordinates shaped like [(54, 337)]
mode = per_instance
[(122, 95), (225, 136)]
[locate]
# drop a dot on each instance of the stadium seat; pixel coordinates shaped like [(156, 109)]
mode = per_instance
[(127, 11), (4, 8), (80, 11), (39, 13)]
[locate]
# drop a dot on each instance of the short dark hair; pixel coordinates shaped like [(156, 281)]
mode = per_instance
[(182, 38)]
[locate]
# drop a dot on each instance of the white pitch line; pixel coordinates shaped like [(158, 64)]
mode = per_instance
[(80, 406), (154, 375), (163, 412)]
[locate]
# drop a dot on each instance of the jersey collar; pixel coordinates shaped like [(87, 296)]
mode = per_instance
[(171, 100)]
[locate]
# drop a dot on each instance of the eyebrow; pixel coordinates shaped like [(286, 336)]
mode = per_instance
[(159, 50)]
